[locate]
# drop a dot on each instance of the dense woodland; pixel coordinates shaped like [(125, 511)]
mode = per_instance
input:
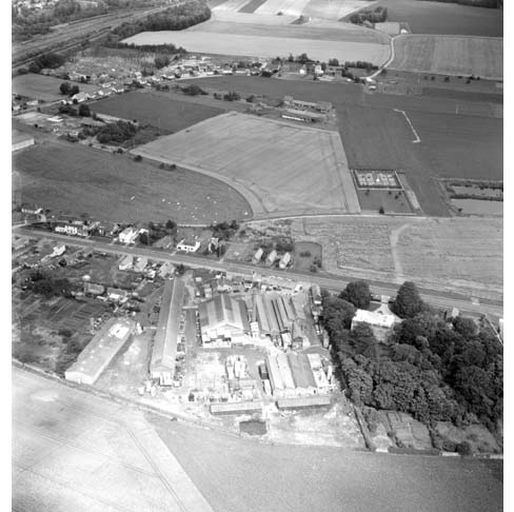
[(174, 18), (431, 368)]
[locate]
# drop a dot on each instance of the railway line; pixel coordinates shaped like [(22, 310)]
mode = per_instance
[(72, 35)]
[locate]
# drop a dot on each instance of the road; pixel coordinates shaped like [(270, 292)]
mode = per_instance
[(437, 298)]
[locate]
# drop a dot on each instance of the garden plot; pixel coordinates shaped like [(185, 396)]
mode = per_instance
[(282, 169)]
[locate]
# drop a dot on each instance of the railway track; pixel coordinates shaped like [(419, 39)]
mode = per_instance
[(73, 35)]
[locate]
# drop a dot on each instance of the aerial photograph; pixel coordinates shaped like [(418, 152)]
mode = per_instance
[(256, 256)]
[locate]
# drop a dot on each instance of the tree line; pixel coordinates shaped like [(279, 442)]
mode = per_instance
[(432, 368)]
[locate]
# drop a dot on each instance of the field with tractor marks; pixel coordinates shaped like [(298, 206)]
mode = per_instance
[(449, 55), (280, 167)]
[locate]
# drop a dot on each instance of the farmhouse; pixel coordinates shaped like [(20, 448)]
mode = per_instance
[(188, 245), (100, 351), (126, 262), (21, 140), (272, 256), (257, 256), (381, 321), (285, 261), (223, 320), (162, 364)]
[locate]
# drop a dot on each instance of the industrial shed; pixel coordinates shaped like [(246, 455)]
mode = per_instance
[(223, 319), (302, 402), (100, 351), (162, 365)]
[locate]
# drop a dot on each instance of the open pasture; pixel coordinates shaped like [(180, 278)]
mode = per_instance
[(155, 109), (449, 55), (425, 17), (461, 146), (254, 35), (75, 179), (41, 87), (281, 168)]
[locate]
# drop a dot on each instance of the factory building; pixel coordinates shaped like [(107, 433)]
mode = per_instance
[(274, 313), (223, 320), (162, 364), (100, 351)]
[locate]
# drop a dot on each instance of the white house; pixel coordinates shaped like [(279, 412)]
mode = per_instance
[(285, 260), (381, 321), (188, 245), (128, 235)]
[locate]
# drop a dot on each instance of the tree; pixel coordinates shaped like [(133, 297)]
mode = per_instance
[(170, 225), (358, 293), (465, 326), (337, 314), (161, 61), (65, 88), (84, 110), (408, 303)]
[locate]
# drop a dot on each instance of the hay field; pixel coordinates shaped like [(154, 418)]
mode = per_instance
[(450, 253), (41, 87), (76, 179), (449, 55), (280, 167)]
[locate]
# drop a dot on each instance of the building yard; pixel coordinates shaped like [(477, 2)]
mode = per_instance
[(41, 87), (155, 109), (449, 55), (451, 254), (425, 17), (76, 179), (262, 36), (280, 167)]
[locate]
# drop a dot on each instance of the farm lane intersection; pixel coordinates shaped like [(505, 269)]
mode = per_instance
[(475, 304)]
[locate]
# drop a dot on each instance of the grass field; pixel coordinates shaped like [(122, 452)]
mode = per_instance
[(373, 200), (264, 34), (305, 254), (451, 254), (449, 55), (375, 136), (76, 179), (252, 25), (426, 17), (41, 87), (155, 109), (284, 168), (239, 474), (264, 46), (461, 146)]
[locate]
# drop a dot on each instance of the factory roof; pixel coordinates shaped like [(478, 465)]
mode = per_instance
[(166, 337), (223, 310), (102, 348), (301, 370)]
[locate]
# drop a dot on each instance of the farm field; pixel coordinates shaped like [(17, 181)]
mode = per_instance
[(155, 109), (453, 253), (76, 179), (424, 17), (246, 475), (478, 207), (373, 200), (460, 146), (323, 9), (251, 25), (449, 55), (254, 36), (280, 167), (41, 87)]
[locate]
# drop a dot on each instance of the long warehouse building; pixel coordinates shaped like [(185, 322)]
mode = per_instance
[(162, 365), (100, 351)]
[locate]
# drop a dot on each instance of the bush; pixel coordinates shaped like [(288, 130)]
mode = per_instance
[(138, 158), (381, 210)]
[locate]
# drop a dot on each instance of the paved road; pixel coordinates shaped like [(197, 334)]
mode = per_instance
[(436, 298)]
